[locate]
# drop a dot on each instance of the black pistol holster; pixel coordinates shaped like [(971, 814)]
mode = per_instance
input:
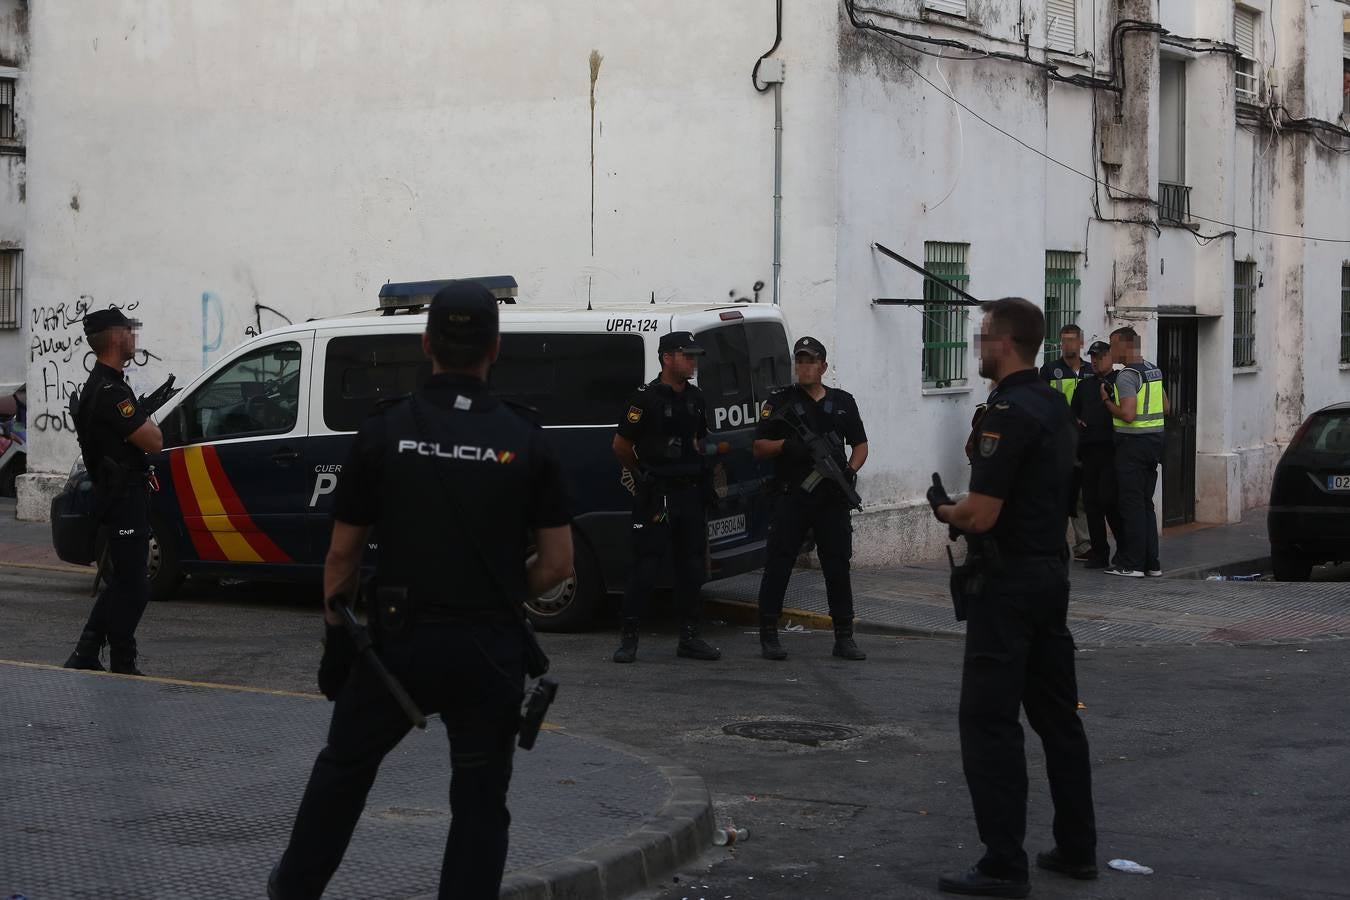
[(968, 578)]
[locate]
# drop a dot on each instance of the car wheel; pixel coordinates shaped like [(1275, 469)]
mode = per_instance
[(161, 566), (572, 605), (1289, 567)]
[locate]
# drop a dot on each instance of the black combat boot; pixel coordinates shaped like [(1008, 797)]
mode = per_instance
[(627, 651), (694, 647), (844, 645), (122, 658), (87, 650), (769, 647)]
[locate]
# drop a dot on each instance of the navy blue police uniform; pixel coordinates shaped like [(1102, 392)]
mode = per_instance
[(107, 414), (453, 481), (1097, 454), (1019, 652), (667, 428), (804, 503)]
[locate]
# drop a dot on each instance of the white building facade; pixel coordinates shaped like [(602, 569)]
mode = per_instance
[(225, 167)]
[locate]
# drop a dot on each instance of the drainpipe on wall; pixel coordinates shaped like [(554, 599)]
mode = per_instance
[(769, 73)]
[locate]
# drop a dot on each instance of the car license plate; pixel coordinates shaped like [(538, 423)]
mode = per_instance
[(1338, 482), (726, 527)]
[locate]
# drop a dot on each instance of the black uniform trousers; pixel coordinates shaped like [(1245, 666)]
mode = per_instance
[(1137, 460), (1100, 502), (825, 512), (1019, 653), (473, 675), (668, 516), (121, 603)]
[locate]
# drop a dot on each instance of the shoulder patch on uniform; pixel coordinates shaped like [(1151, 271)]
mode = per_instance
[(766, 410), (127, 409), (635, 414), (989, 443)]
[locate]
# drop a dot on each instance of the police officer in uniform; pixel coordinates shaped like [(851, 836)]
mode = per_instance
[(457, 485), (832, 414), (115, 434), (1064, 375), (1138, 405), (1097, 455), (1019, 652), (660, 446)]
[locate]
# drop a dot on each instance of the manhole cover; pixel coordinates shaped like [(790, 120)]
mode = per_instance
[(812, 734)]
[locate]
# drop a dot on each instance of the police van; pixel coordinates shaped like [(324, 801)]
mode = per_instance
[(254, 446)]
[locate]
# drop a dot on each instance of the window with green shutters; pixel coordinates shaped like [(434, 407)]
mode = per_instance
[(1244, 315), (1345, 314), (944, 322), (1061, 297)]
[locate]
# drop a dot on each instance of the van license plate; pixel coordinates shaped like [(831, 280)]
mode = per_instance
[(1338, 482), (727, 527)]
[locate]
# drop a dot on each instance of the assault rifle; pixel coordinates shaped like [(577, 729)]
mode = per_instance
[(158, 397), (825, 464)]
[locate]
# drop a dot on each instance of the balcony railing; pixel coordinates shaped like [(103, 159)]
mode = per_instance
[(1174, 203)]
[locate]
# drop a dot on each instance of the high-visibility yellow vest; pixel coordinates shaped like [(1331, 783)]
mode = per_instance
[(1148, 403), (1062, 378)]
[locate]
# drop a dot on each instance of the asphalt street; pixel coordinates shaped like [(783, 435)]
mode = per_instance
[(1224, 767)]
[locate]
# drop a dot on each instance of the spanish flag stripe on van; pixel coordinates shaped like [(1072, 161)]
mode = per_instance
[(203, 543), (239, 516)]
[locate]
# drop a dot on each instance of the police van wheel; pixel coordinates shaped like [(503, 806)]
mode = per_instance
[(161, 565), (572, 605)]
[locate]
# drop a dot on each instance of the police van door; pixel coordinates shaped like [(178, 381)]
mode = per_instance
[(356, 369), (235, 457)]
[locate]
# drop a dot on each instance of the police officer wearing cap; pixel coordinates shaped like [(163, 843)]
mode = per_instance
[(1139, 406), (821, 507), (1097, 454), (660, 446), (458, 485), (1019, 652), (115, 434)]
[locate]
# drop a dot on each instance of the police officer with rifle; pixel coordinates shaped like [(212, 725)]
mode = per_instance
[(115, 433), (804, 428), (459, 486), (1014, 593)]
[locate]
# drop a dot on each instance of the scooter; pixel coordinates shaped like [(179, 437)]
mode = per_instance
[(13, 439)]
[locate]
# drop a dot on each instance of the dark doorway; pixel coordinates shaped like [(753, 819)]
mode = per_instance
[(1177, 359)]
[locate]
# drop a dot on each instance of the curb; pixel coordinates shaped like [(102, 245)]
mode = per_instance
[(741, 612), (678, 833)]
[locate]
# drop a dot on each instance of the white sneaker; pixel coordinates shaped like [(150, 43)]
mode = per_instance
[(1154, 573), (1125, 573)]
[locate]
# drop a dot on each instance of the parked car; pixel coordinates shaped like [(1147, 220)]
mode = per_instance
[(1309, 518), (254, 446)]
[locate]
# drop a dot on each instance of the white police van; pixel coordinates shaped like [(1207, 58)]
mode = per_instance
[(254, 446)]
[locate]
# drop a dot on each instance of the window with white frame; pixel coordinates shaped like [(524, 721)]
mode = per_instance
[(1246, 77), (1244, 315), (1061, 25), (944, 319), (950, 7)]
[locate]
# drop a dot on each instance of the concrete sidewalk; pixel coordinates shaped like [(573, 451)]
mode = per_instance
[(1181, 607), (159, 788)]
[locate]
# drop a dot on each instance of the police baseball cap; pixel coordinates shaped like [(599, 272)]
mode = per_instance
[(1098, 348), (809, 345), (102, 319), (680, 342), (463, 313)]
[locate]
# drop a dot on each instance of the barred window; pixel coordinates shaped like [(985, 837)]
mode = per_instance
[(944, 321), (1244, 314), (6, 109), (1345, 313), (1061, 297), (11, 288)]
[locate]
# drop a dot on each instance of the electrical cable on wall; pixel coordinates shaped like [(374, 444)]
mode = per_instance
[(777, 39), (1119, 194), (960, 143)]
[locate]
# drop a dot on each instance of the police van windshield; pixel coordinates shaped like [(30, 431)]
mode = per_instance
[(744, 362)]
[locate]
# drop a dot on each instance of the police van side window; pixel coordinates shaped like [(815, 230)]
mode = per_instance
[(257, 394), (361, 370), (571, 379), (744, 362)]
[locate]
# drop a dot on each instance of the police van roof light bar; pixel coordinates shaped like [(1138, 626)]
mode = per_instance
[(414, 295), (962, 298)]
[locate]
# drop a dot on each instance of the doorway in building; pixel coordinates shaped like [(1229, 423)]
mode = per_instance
[(1177, 359)]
